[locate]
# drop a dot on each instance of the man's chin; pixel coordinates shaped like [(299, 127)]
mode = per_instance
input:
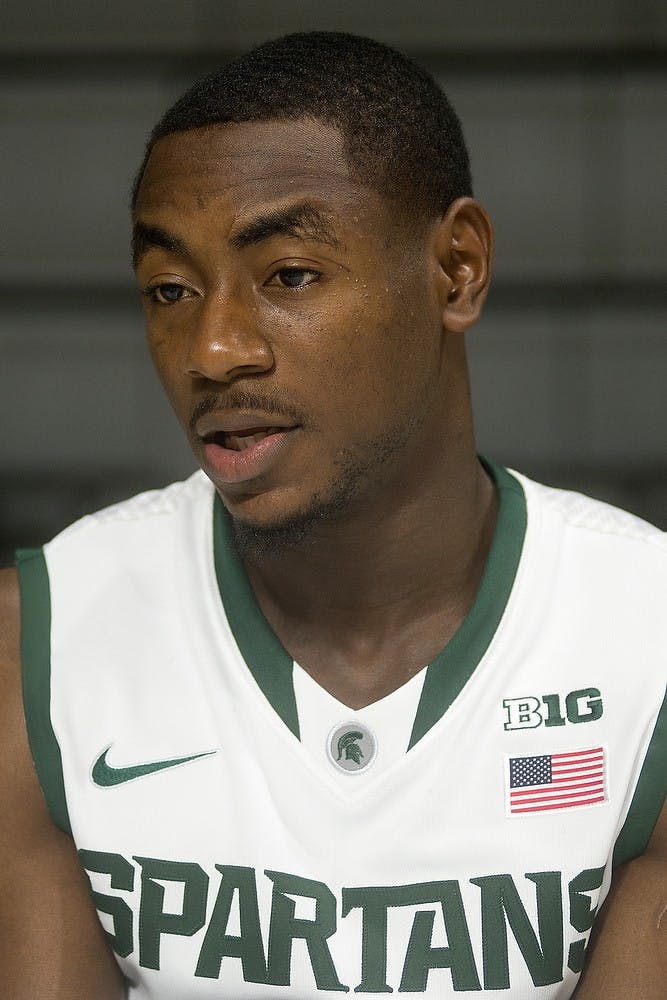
[(289, 531), (261, 531), (263, 540)]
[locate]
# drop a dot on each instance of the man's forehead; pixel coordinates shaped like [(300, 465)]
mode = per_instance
[(222, 158)]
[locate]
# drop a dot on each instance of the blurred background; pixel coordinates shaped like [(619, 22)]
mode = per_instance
[(564, 105)]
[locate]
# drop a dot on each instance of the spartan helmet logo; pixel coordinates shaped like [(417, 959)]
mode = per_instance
[(344, 744), (349, 745)]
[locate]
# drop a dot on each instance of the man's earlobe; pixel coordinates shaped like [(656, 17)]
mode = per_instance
[(465, 249)]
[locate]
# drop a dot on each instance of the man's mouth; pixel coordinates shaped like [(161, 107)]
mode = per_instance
[(240, 440), (239, 447)]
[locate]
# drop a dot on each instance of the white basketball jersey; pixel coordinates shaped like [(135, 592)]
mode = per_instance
[(247, 836)]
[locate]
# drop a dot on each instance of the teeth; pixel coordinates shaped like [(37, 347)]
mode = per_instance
[(239, 442)]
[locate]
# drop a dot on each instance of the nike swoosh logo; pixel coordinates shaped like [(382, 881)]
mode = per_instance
[(106, 776)]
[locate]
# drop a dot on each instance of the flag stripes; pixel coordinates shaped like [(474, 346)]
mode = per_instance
[(556, 781)]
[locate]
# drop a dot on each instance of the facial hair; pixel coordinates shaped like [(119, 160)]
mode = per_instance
[(356, 467)]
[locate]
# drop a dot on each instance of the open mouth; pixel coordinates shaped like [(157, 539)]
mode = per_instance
[(240, 440)]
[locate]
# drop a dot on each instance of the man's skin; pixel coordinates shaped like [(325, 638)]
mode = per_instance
[(286, 300)]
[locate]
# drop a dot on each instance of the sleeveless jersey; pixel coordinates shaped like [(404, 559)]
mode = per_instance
[(245, 835)]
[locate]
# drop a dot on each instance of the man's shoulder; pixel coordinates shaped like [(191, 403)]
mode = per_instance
[(595, 558), (136, 513), (592, 519)]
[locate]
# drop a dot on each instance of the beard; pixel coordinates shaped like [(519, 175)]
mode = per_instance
[(357, 468), (272, 539)]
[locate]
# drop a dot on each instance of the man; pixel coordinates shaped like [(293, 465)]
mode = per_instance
[(353, 711)]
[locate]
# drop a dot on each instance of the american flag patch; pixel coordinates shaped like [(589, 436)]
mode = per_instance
[(556, 781)]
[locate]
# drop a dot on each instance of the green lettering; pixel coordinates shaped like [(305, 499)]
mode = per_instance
[(457, 956), (522, 713), (218, 944), (153, 921), (594, 707), (501, 904), (554, 714), (576, 955), (122, 877), (285, 928), (375, 901), (582, 914)]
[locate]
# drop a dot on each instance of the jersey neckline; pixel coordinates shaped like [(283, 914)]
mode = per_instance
[(272, 666)]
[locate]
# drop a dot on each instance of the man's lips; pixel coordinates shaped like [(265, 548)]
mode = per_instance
[(242, 446), (241, 439), (240, 423)]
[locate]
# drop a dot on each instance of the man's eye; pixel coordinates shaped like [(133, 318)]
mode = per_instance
[(295, 277), (166, 295)]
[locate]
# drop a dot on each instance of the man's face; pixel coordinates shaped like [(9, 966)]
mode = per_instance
[(292, 317)]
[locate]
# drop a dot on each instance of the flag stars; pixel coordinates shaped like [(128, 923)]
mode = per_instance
[(530, 771)]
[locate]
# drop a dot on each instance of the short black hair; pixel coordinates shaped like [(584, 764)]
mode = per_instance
[(401, 135)]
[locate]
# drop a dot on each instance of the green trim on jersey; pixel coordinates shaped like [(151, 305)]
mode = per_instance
[(454, 666), (649, 796), (36, 672), (269, 663), (272, 666)]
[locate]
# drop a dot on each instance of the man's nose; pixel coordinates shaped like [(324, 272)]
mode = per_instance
[(227, 342)]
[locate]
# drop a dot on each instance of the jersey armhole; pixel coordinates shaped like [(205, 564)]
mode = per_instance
[(36, 679), (648, 798)]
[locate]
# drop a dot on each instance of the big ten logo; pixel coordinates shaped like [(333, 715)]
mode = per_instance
[(582, 705)]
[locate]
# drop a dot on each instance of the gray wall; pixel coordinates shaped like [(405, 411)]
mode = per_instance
[(564, 107)]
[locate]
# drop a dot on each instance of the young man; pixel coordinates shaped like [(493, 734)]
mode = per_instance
[(350, 710)]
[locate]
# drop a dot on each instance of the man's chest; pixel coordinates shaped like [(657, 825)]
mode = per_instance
[(472, 862)]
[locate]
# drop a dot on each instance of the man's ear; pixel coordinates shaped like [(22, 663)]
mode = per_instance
[(464, 246)]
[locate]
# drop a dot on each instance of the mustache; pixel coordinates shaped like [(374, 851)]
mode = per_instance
[(240, 399)]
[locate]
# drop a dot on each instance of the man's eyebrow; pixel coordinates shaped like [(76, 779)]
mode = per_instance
[(303, 221), (145, 237)]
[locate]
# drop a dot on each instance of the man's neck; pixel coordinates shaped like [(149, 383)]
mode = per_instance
[(368, 599)]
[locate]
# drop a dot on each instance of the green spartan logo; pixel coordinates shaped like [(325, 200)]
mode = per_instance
[(351, 747), (348, 744)]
